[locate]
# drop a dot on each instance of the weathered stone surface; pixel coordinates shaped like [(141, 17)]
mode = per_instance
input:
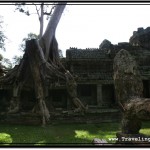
[(141, 38), (139, 107), (85, 54), (136, 111), (127, 78), (129, 88), (89, 65), (105, 44)]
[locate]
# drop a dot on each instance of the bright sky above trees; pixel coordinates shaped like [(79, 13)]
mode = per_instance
[(82, 26)]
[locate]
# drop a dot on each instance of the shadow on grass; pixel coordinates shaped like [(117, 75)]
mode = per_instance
[(52, 135), (61, 134)]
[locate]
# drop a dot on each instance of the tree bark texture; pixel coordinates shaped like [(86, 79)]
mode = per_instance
[(49, 34), (40, 63), (35, 60), (71, 86)]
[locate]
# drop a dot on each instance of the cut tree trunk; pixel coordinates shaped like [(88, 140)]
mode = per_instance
[(41, 62)]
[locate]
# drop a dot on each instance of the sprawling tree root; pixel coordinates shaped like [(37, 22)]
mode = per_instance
[(15, 100), (14, 105), (72, 92), (36, 67), (41, 62), (35, 57)]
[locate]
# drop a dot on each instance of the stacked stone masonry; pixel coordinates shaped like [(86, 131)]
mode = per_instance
[(93, 71)]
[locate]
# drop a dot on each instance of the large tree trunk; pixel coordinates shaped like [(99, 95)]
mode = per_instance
[(49, 34), (41, 62), (35, 58)]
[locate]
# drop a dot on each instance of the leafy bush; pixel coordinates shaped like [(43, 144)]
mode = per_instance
[(5, 139)]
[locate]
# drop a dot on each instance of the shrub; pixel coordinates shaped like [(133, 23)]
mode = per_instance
[(5, 139)]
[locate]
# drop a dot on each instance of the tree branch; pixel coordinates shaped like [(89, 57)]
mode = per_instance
[(41, 20), (47, 38), (50, 13), (37, 11)]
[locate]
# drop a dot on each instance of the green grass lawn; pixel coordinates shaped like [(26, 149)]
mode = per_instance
[(60, 133)]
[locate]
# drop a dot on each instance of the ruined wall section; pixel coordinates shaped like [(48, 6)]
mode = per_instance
[(98, 61), (90, 64), (141, 38)]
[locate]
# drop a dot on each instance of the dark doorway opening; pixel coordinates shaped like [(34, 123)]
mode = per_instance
[(108, 94), (59, 98), (87, 94), (146, 89)]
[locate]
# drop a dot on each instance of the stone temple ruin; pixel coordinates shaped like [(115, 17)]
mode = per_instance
[(93, 71)]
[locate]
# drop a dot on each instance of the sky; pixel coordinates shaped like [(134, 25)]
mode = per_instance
[(81, 26)]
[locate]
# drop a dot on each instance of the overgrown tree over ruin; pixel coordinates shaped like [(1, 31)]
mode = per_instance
[(41, 63)]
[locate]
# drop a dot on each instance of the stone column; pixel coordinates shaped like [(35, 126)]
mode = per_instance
[(68, 103), (99, 94)]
